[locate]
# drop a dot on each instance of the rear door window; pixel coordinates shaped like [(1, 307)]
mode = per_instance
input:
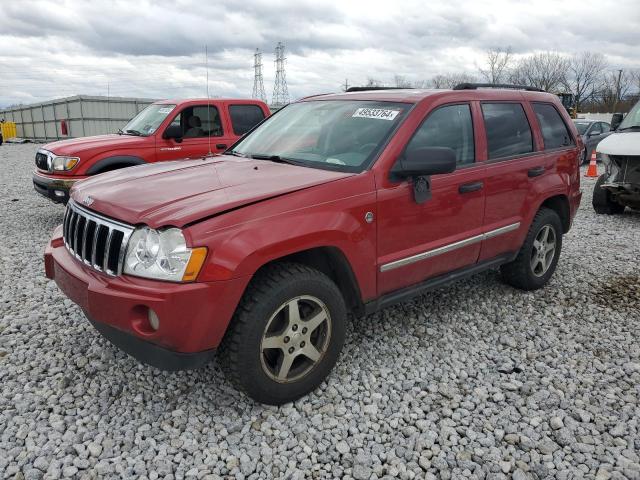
[(508, 130), (449, 126), (554, 131), (245, 117)]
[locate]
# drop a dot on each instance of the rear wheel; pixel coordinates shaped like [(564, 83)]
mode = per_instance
[(539, 254), (602, 202), (286, 335)]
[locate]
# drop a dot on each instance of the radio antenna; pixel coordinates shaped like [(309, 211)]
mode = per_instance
[(209, 122)]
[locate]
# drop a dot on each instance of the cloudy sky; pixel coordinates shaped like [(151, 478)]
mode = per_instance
[(155, 49)]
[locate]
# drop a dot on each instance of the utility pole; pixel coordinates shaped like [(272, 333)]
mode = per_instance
[(346, 85), (615, 104), (258, 81), (280, 90)]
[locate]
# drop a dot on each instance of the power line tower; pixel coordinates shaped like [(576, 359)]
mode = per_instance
[(258, 82), (280, 90)]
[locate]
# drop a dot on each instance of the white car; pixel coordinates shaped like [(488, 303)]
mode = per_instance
[(619, 186)]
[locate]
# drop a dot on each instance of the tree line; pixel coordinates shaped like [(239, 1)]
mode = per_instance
[(595, 85)]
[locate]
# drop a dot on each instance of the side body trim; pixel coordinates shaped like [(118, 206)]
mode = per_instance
[(448, 248)]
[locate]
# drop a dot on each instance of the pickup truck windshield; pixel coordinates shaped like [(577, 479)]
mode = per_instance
[(632, 120), (331, 134), (148, 120)]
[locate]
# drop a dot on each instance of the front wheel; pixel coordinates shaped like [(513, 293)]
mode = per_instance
[(539, 254), (286, 335)]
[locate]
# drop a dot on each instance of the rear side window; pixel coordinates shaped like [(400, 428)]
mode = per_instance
[(554, 131), (508, 130), (245, 117), (451, 127)]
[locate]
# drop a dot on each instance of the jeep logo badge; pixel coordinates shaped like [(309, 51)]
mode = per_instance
[(87, 201)]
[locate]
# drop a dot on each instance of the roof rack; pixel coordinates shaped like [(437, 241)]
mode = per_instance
[(364, 89), (475, 86)]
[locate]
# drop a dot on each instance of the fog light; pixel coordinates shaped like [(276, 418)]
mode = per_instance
[(59, 193), (154, 321)]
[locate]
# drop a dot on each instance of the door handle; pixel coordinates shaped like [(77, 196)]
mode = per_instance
[(221, 145), (470, 187), (535, 172)]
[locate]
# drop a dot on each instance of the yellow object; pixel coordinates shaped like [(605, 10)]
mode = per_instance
[(195, 264), (8, 130)]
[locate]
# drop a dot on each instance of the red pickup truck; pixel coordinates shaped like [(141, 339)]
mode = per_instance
[(336, 204), (165, 130)]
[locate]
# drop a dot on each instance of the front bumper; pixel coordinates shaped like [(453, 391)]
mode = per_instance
[(193, 316), (54, 188)]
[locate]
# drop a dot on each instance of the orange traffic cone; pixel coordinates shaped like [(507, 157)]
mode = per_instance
[(592, 171)]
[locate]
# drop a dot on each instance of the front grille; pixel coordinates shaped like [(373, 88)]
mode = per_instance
[(42, 161), (95, 240)]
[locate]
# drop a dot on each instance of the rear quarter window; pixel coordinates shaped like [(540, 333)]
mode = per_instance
[(245, 117), (508, 130), (554, 131)]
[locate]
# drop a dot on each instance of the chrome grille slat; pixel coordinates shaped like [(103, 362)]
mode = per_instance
[(94, 240)]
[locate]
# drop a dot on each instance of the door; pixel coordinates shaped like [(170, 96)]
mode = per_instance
[(203, 132), (421, 240)]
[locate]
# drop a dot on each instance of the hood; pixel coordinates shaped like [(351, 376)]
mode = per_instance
[(184, 191), (622, 143), (75, 146)]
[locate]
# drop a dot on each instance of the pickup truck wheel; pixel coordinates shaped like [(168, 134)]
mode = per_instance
[(286, 335), (539, 254), (602, 202)]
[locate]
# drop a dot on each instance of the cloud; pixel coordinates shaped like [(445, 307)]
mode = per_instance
[(155, 48)]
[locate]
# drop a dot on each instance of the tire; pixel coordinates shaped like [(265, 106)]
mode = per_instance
[(533, 267), (602, 202), (263, 333)]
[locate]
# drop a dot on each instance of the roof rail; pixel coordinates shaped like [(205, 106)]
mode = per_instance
[(364, 89), (474, 86)]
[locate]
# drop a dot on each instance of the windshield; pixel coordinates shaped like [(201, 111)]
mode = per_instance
[(632, 119), (335, 134), (148, 120), (582, 127)]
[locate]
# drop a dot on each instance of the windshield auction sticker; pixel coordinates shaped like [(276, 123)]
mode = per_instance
[(165, 110), (379, 113)]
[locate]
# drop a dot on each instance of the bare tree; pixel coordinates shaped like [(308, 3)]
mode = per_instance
[(450, 80), (585, 75), (546, 70), (497, 64), (401, 81), (615, 87), (372, 82)]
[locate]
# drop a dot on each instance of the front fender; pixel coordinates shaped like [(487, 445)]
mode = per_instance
[(100, 165)]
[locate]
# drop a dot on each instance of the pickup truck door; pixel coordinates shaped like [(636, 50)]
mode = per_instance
[(417, 241), (203, 128)]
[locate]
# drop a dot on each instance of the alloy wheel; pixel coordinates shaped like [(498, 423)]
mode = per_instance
[(544, 250), (295, 339)]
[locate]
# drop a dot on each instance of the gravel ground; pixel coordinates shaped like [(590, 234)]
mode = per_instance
[(473, 381)]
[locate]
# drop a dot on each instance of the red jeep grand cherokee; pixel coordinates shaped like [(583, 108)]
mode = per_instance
[(166, 130), (336, 204)]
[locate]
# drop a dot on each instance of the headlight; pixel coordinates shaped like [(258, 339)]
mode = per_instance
[(64, 163), (162, 255)]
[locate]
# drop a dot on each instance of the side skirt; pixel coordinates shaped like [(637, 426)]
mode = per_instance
[(403, 294)]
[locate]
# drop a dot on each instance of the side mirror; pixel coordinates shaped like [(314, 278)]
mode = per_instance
[(173, 132), (420, 163), (593, 134), (426, 161), (616, 120)]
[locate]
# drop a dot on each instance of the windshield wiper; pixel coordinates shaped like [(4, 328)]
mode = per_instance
[(135, 133), (272, 158), (235, 154), (632, 127)]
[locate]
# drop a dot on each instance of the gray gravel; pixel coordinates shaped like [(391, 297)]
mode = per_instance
[(473, 381)]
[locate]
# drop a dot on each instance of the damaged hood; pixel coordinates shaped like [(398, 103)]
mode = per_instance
[(181, 192), (622, 143)]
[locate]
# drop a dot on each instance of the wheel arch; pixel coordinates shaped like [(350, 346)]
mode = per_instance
[(113, 163), (333, 263), (559, 204)]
